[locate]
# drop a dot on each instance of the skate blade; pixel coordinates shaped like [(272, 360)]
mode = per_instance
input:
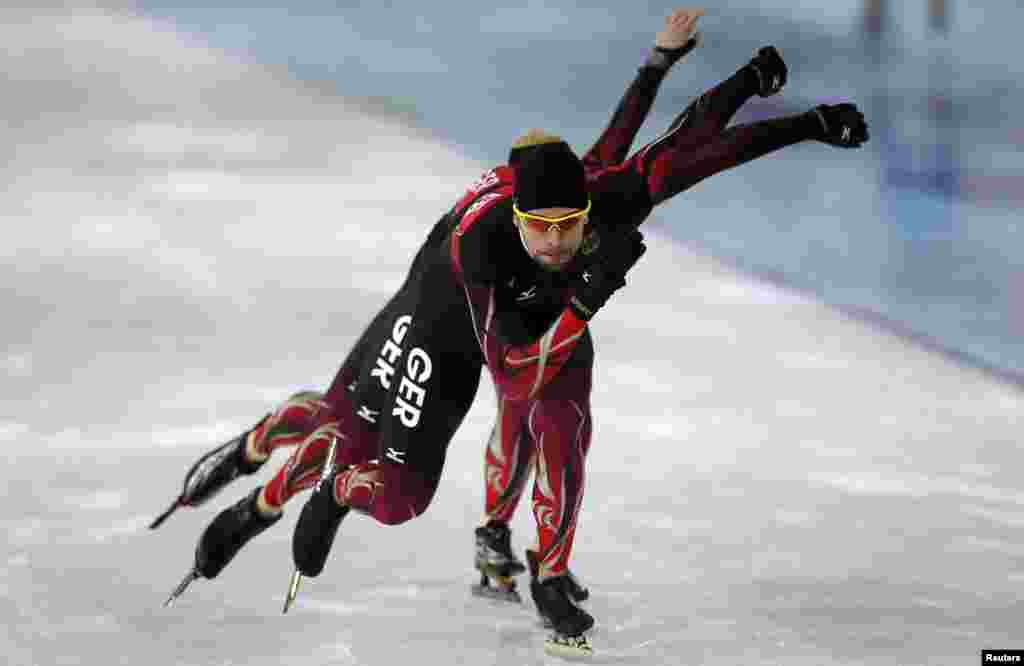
[(182, 586), (502, 589), (506, 571), (496, 593), (575, 648), (166, 514), (293, 590)]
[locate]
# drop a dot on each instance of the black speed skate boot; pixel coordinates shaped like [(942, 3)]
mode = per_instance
[(566, 618), (575, 589), (224, 537), (317, 526), (771, 71), (211, 474), (496, 563), (230, 530)]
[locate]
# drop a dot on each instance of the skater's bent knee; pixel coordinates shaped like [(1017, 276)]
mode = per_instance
[(395, 514), (402, 494)]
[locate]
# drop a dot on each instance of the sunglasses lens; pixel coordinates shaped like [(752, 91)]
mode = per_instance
[(545, 224), (542, 225)]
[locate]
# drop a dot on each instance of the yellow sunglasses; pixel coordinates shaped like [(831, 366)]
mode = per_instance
[(544, 224)]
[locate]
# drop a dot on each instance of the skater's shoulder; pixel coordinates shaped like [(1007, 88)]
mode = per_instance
[(485, 192), (484, 237)]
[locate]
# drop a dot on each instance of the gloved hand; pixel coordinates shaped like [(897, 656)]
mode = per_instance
[(842, 125), (771, 70), (617, 253)]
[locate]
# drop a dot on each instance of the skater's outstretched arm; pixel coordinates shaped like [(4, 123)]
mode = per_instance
[(697, 145), (677, 38)]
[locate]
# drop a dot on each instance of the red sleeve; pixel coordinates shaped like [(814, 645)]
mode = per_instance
[(524, 370)]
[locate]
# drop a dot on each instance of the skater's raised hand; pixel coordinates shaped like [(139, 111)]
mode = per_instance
[(678, 37), (680, 28)]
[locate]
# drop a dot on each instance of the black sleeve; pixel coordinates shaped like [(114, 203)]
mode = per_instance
[(478, 249), (613, 144), (620, 197)]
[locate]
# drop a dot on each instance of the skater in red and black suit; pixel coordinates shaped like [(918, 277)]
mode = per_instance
[(508, 278), (512, 449), (550, 433)]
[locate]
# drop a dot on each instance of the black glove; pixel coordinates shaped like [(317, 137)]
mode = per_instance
[(606, 273), (771, 70), (842, 125)]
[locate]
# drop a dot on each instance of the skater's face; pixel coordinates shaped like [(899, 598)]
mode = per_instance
[(552, 236)]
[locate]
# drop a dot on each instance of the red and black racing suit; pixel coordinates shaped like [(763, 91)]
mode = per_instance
[(473, 297)]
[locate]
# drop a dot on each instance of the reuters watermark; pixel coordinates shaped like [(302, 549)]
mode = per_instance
[(1002, 657)]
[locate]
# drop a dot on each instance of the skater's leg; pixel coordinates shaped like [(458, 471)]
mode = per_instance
[(287, 425), (292, 422), (229, 531), (507, 461), (313, 425), (415, 387), (390, 494), (708, 115), (561, 426), (669, 171), (312, 421), (712, 110), (398, 486), (563, 431), (302, 469), (348, 377), (694, 145)]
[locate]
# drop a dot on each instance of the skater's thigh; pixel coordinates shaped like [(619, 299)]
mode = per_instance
[(431, 369), (380, 352)]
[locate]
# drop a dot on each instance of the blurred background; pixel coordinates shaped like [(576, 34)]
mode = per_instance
[(920, 230)]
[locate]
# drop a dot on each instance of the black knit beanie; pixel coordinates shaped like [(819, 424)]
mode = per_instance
[(550, 176)]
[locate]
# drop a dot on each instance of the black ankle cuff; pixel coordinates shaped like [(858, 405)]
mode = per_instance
[(751, 78), (246, 466), (663, 59)]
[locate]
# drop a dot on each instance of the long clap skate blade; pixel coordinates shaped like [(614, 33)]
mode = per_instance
[(182, 586), (293, 584), (175, 505), (568, 647), (505, 590), (509, 596), (293, 589)]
